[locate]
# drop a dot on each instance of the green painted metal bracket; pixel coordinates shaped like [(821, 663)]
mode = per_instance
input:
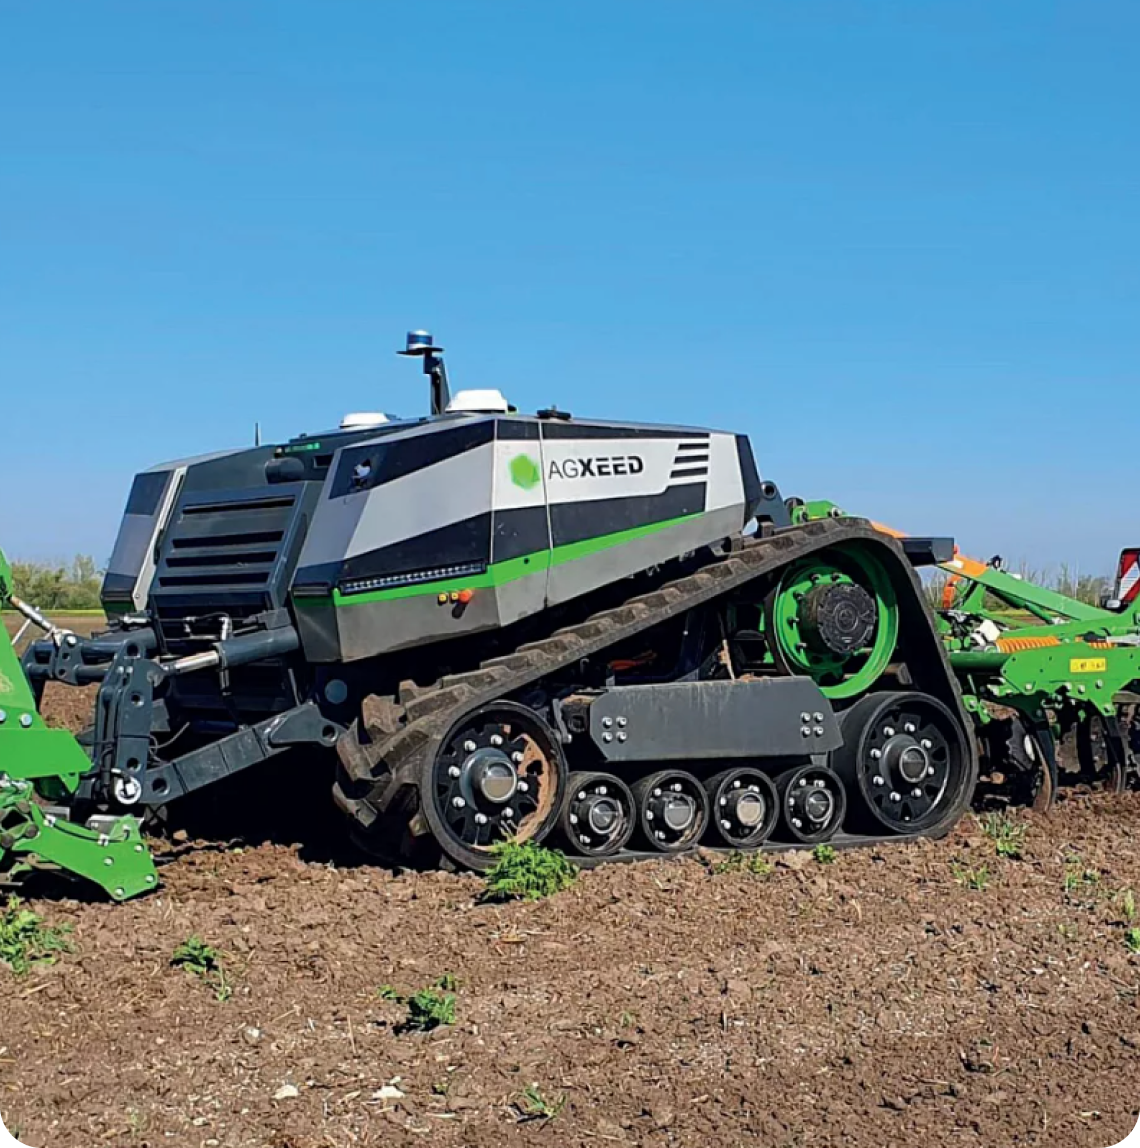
[(1069, 672), (31, 838), (36, 761)]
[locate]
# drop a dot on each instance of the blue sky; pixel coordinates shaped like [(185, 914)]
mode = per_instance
[(896, 242)]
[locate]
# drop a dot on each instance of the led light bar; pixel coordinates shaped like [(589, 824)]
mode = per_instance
[(414, 578)]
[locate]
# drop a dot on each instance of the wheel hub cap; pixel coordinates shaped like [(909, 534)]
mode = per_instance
[(839, 618), (678, 811), (906, 757), (602, 814), (490, 772), (819, 806), (749, 809)]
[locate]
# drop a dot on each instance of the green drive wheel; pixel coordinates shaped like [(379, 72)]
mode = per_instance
[(834, 617)]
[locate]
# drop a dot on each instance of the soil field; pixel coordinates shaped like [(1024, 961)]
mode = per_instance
[(933, 993)]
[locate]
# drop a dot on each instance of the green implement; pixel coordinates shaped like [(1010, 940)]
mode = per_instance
[(40, 765), (1038, 668)]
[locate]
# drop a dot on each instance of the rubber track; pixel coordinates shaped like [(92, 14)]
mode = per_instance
[(390, 761)]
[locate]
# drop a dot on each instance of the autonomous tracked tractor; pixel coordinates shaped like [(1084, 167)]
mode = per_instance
[(610, 637)]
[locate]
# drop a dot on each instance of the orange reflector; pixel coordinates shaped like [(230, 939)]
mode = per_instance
[(465, 596)]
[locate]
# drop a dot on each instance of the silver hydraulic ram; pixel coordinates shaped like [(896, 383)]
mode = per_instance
[(239, 651)]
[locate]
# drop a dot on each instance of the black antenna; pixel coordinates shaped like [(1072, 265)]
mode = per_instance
[(419, 345)]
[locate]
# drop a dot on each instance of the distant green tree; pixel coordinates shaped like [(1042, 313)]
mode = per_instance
[(54, 587)]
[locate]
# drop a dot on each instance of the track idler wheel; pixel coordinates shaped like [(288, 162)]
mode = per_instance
[(498, 774), (744, 807), (813, 803), (907, 758), (599, 815), (672, 810)]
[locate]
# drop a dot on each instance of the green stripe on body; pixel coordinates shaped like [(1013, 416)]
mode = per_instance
[(500, 573)]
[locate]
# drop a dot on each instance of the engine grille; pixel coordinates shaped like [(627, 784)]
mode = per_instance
[(228, 553)]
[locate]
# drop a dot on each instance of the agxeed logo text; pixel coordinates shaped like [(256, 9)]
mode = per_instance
[(605, 466)]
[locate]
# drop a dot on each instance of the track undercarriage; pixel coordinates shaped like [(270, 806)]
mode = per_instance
[(673, 719)]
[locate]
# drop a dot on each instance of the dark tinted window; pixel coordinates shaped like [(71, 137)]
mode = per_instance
[(146, 492)]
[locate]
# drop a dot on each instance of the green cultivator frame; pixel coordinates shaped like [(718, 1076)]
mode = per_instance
[(1068, 670), (1039, 669), (39, 766)]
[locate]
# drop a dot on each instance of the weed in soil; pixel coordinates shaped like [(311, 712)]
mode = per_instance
[(527, 872), (1007, 835), (969, 877), (1132, 939), (1126, 899), (25, 941), (532, 1105), (428, 1008), (825, 854), (737, 862), (204, 962), (1077, 876)]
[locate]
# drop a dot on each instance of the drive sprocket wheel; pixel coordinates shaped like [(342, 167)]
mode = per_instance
[(835, 618), (498, 774)]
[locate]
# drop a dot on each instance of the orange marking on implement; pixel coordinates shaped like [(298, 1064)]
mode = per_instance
[(1012, 645), (890, 531), (970, 567), (948, 591)]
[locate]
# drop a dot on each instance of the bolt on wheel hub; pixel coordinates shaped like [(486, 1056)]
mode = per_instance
[(674, 809), (838, 618), (600, 814), (744, 806), (497, 775)]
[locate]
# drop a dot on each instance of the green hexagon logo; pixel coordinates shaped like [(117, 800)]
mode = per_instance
[(525, 472)]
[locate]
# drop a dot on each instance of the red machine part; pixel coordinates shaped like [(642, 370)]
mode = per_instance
[(1128, 577)]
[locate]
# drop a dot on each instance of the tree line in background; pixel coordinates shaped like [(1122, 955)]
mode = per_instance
[(52, 586)]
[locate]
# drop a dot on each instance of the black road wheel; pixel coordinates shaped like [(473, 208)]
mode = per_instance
[(744, 807), (497, 775), (672, 810), (1101, 756), (908, 759), (813, 803), (599, 814)]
